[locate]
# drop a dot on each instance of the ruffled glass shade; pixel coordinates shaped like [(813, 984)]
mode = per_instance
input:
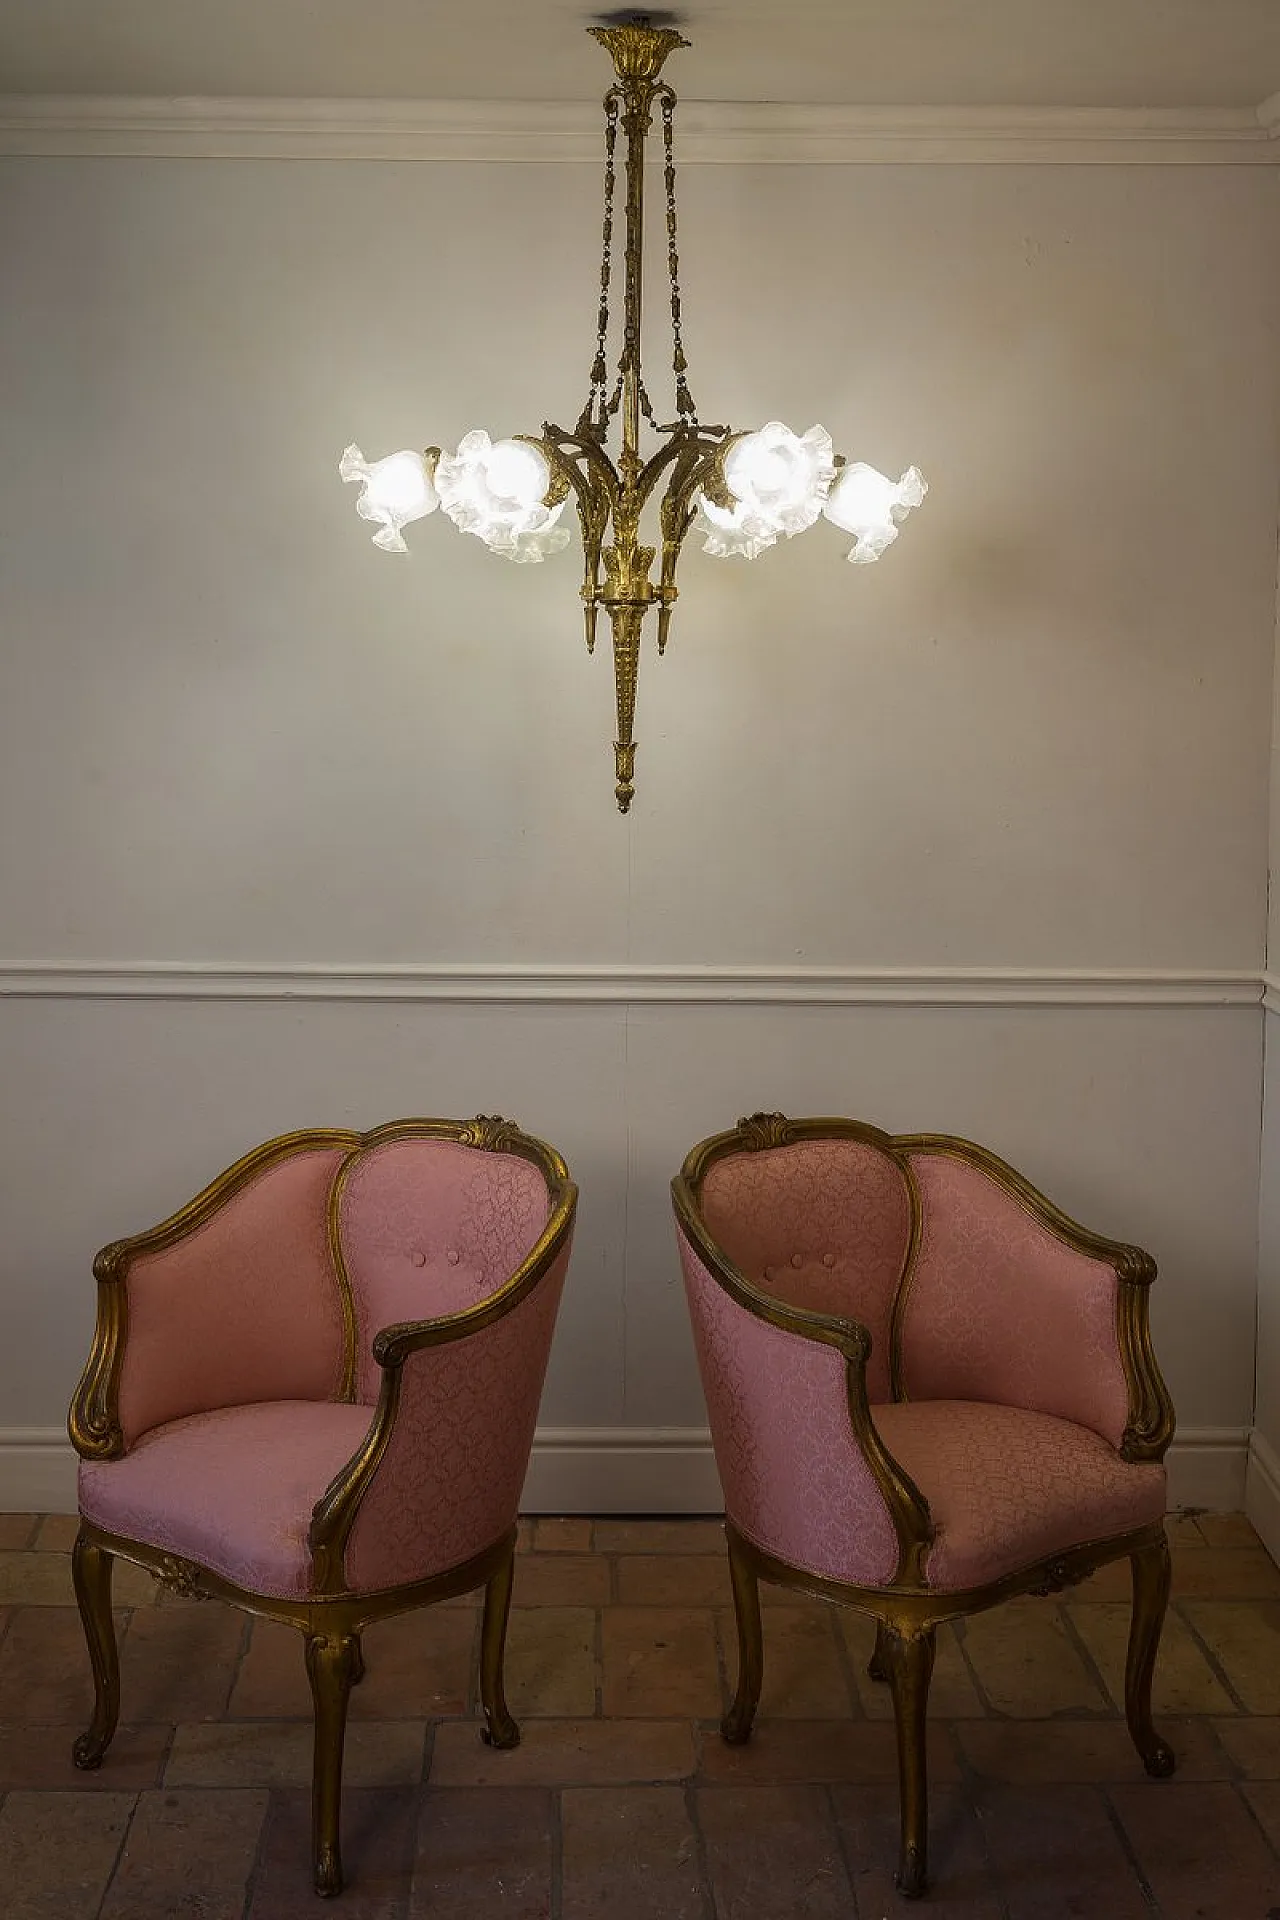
[(779, 480), (394, 492), (497, 490), (868, 504)]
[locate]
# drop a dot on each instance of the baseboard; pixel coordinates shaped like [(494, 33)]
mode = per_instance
[(671, 1470), (1262, 1493)]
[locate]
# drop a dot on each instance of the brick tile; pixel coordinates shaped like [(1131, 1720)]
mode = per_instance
[(377, 1856), (1184, 1680), (674, 1580), (57, 1852), (40, 1758), (780, 1751), (57, 1532), (660, 1660), (1226, 1530), (45, 1677), (1083, 1750), (482, 1851), (1027, 1665), (268, 1753), (178, 1663), (272, 1681), (1200, 1850), (952, 1694), (187, 1853), (17, 1530), (1226, 1573), (564, 1753), (629, 1852), (418, 1666), (961, 1885), (1264, 1798), (804, 1672), (772, 1852), (44, 1580), (1183, 1529), (551, 1661), (1056, 1855), (1253, 1744), (659, 1536), (561, 1580), (1244, 1637), (552, 1534)]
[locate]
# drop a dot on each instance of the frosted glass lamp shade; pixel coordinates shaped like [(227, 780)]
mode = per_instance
[(395, 491), (869, 505), (497, 490), (778, 479)]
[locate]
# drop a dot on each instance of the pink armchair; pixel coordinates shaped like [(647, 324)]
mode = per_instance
[(929, 1390), (312, 1393)]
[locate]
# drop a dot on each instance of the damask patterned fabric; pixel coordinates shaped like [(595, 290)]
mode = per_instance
[(823, 1224), (794, 1478), (449, 1483), (999, 1309), (244, 1309), (232, 1491), (1007, 1487), (429, 1227)]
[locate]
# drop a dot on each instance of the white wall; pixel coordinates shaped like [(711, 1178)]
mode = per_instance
[(1035, 737)]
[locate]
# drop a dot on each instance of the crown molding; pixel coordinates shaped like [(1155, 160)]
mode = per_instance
[(714, 132), (636, 985)]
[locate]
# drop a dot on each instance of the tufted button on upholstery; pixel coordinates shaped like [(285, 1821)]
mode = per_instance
[(828, 1259), (453, 1256), (418, 1257), (797, 1259)]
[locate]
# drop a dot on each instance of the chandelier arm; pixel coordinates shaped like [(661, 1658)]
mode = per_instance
[(578, 461)]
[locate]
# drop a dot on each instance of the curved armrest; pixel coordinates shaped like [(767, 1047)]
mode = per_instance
[(1008, 1299), (233, 1299), (439, 1475), (805, 1473)]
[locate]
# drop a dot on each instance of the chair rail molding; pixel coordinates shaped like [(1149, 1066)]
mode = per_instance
[(632, 985), (658, 1470), (716, 132)]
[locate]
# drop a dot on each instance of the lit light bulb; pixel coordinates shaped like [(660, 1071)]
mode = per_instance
[(395, 491), (866, 503), (779, 480), (497, 490)]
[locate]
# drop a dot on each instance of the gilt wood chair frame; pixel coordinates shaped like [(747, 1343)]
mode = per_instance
[(906, 1611)]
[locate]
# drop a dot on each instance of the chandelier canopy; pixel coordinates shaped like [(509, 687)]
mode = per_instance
[(741, 490)]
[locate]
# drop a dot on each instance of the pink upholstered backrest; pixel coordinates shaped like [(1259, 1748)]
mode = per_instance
[(823, 1224), (428, 1227), (794, 1478), (449, 1483), (244, 1308), (1000, 1309)]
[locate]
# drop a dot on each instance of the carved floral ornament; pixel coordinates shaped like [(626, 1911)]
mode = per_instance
[(741, 491)]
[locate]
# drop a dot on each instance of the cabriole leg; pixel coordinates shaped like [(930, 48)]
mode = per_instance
[(908, 1658), (876, 1667), (91, 1570), (1151, 1576), (499, 1729), (736, 1725), (331, 1664)]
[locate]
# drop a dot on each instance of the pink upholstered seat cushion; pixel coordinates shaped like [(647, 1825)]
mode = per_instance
[(231, 1490), (1007, 1487)]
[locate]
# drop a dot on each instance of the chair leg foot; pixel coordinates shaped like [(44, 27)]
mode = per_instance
[(91, 1571), (908, 1659), (737, 1723), (499, 1729), (876, 1668), (1151, 1572), (331, 1663)]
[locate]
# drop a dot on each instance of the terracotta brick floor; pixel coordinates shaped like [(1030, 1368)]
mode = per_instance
[(622, 1800)]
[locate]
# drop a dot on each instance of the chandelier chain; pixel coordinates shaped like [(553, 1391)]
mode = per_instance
[(599, 408), (685, 408)]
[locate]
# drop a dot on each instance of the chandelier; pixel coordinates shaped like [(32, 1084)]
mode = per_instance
[(742, 491)]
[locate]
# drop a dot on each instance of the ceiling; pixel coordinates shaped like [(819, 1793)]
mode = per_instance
[(1005, 53)]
